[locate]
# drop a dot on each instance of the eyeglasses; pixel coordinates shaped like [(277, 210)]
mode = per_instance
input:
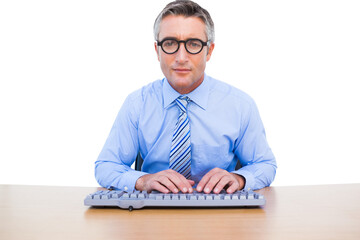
[(172, 45)]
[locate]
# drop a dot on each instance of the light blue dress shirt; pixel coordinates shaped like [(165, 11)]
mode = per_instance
[(225, 126)]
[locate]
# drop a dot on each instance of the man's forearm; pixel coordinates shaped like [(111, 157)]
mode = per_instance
[(117, 176), (257, 175)]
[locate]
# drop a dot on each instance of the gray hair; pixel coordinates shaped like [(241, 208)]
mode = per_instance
[(186, 8)]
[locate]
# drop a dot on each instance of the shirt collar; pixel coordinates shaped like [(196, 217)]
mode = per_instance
[(199, 96)]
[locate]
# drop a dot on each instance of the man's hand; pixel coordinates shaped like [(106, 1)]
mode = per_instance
[(165, 181), (218, 179)]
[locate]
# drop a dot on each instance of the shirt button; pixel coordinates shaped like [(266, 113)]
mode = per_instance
[(125, 188)]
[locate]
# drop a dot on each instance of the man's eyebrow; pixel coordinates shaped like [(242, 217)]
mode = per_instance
[(175, 38)]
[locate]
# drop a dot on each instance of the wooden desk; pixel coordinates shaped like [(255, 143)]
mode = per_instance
[(301, 212)]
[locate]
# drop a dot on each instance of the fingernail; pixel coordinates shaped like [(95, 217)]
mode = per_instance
[(175, 190), (207, 190), (216, 190), (190, 190), (184, 189), (198, 189)]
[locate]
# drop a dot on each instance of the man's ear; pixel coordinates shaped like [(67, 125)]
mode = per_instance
[(210, 50), (157, 50)]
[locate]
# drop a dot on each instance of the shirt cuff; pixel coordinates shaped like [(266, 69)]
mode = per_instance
[(249, 179), (128, 180)]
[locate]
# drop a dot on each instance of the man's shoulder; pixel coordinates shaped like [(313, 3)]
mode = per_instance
[(226, 90), (153, 89), (143, 99)]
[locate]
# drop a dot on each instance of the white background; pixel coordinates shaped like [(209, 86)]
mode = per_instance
[(67, 66)]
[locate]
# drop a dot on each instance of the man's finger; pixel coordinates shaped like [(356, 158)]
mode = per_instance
[(159, 187), (192, 182), (224, 180), (204, 181), (213, 181), (180, 181), (168, 182), (234, 186)]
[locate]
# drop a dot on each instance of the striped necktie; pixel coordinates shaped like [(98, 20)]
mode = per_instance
[(180, 154)]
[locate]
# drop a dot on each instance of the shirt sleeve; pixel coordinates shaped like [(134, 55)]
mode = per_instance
[(113, 166), (252, 149)]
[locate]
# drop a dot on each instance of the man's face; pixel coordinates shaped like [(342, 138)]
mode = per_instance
[(184, 71)]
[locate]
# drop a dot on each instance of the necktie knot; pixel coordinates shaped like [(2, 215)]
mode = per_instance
[(182, 103)]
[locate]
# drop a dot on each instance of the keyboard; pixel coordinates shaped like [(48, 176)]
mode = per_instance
[(137, 199)]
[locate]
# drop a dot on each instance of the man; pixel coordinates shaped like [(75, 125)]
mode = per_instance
[(189, 128)]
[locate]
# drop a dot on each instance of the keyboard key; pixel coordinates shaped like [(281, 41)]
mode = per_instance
[(193, 197), (114, 195), (235, 197), (182, 197), (217, 197), (105, 196)]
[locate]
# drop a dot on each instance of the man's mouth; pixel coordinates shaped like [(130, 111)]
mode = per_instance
[(182, 70)]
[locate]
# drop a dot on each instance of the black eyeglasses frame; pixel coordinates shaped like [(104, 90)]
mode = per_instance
[(203, 44)]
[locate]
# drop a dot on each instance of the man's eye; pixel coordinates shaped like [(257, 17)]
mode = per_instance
[(194, 43), (169, 43)]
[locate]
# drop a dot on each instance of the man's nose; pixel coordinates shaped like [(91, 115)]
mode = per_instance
[(182, 54)]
